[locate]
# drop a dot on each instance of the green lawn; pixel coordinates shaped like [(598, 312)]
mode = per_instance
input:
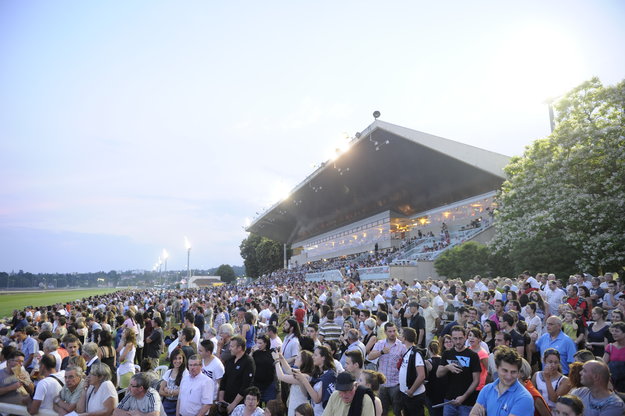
[(11, 301)]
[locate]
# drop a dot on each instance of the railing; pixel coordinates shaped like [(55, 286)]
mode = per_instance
[(18, 409), (374, 273), (329, 275)]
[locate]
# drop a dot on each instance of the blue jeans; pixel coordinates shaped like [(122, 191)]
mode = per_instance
[(451, 410)]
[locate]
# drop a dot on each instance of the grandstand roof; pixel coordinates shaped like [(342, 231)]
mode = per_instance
[(388, 167)]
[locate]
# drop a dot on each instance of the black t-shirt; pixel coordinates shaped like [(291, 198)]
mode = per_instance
[(154, 349), (237, 376), (418, 323), (517, 339), (459, 383)]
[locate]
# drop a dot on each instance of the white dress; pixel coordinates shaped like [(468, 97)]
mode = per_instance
[(128, 366), (297, 396)]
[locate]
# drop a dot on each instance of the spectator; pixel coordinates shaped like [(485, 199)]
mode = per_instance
[(463, 367), (412, 376), (100, 397), (284, 372), (197, 391), (211, 365), (72, 345), (72, 390), (48, 388), (614, 355), (127, 349), (555, 338), (569, 405), (321, 386), (90, 354), (140, 400), (153, 344), (265, 375), (250, 404), (507, 394), (550, 382), (597, 398), (238, 374), (169, 387), (350, 398)]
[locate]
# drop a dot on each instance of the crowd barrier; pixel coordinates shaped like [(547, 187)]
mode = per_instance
[(18, 409)]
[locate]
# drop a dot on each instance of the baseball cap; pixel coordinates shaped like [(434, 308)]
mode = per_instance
[(344, 382)]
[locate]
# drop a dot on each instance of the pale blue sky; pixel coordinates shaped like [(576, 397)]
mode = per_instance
[(125, 126)]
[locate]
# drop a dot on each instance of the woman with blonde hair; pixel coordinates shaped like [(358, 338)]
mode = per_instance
[(525, 375), (127, 349), (372, 380), (100, 396)]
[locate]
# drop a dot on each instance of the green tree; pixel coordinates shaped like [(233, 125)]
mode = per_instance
[(261, 255), (226, 272), (464, 261), (562, 203)]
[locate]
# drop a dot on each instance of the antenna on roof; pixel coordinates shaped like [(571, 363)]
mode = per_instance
[(376, 114)]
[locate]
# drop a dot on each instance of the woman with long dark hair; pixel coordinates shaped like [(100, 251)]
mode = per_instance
[(265, 375), (321, 386), (284, 372), (170, 384), (107, 353), (490, 328)]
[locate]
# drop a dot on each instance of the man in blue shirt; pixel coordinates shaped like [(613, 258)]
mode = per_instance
[(30, 346), (506, 396), (555, 338)]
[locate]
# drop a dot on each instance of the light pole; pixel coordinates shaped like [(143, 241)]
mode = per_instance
[(187, 245), (165, 256)]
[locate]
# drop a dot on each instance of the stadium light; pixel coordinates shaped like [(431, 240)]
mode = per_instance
[(187, 245)]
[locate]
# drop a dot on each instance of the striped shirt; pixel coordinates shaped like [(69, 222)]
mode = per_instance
[(330, 331)]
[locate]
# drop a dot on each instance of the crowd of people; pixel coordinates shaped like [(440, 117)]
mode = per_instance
[(533, 344)]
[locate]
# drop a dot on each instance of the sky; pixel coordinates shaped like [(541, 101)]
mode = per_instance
[(127, 126)]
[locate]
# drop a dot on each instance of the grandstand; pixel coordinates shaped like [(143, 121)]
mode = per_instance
[(397, 192)]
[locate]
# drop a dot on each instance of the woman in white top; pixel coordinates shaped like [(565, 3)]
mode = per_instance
[(127, 349), (304, 363), (100, 397), (550, 382), (170, 385), (534, 323)]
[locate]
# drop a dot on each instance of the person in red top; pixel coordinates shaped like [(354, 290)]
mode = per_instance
[(300, 313), (579, 305)]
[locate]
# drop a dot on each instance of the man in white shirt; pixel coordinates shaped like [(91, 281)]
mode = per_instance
[(47, 388), (50, 346), (554, 297), (197, 391)]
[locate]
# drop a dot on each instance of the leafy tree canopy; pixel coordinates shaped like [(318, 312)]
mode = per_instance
[(226, 272), (261, 255), (563, 201), (465, 261)]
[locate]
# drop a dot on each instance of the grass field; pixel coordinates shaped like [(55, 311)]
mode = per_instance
[(11, 301)]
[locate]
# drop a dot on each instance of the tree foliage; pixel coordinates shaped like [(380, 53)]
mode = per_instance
[(562, 207), (465, 261), (226, 272), (261, 255)]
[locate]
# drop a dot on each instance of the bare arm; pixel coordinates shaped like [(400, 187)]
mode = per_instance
[(303, 380), (478, 410), (109, 406), (541, 408), (418, 382)]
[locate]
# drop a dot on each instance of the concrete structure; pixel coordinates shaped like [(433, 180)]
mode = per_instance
[(203, 281), (391, 180)]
